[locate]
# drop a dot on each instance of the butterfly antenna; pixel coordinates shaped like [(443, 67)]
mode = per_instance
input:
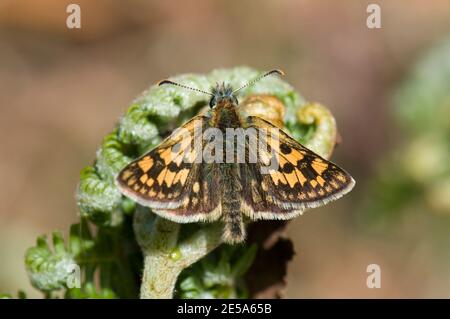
[(163, 82), (262, 76)]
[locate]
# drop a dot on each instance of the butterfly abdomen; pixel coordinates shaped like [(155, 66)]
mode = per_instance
[(234, 231)]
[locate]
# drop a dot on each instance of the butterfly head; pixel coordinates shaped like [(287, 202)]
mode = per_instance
[(222, 93)]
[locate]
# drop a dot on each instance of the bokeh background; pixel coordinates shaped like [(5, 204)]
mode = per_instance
[(61, 92)]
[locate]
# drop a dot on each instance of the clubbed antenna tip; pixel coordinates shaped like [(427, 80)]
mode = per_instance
[(183, 86), (262, 76)]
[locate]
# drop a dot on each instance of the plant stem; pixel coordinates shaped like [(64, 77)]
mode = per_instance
[(165, 256)]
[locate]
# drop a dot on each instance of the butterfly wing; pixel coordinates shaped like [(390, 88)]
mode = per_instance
[(171, 181), (301, 179)]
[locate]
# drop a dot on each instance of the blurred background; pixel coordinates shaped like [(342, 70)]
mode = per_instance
[(62, 90)]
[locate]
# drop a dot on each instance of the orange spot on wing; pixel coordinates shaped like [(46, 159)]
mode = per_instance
[(143, 178), (178, 159), (131, 181), (294, 157), (320, 180), (166, 155), (282, 178), (291, 179), (281, 160), (126, 174), (300, 176), (169, 178), (146, 163), (277, 177), (181, 176), (162, 175), (341, 177), (319, 166), (150, 182)]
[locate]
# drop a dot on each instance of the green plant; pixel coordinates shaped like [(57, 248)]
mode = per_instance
[(416, 176), (117, 240)]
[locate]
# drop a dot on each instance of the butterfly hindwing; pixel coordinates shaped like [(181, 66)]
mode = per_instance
[(300, 179), (169, 180)]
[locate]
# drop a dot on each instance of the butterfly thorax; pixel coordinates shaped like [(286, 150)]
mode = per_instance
[(225, 115)]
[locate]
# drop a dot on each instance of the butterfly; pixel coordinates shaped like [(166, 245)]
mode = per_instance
[(275, 180)]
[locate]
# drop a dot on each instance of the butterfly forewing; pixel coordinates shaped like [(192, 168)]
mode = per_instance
[(171, 180)]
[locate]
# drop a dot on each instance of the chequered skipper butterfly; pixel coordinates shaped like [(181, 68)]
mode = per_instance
[(177, 183)]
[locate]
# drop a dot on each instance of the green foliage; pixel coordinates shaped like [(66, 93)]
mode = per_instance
[(422, 103), (48, 269), (20, 295), (417, 175), (218, 275), (110, 253)]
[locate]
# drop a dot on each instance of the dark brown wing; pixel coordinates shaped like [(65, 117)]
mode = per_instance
[(300, 179), (171, 181)]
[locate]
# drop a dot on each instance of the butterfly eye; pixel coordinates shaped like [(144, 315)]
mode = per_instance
[(212, 102)]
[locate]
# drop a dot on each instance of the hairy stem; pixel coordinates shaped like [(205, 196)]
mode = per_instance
[(165, 255)]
